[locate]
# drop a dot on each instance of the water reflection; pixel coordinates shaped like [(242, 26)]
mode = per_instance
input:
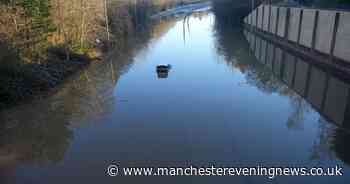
[(231, 43), (313, 87), (324, 90), (220, 107), (340, 144), (41, 132)]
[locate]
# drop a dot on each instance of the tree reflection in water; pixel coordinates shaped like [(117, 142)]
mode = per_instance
[(44, 132), (41, 131)]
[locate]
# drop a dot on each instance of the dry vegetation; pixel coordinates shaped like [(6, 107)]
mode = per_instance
[(44, 41)]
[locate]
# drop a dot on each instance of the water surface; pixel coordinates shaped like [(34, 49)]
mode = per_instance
[(219, 105)]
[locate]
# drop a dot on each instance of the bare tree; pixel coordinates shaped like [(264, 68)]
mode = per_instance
[(106, 19)]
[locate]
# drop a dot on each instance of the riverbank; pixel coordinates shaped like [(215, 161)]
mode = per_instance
[(31, 69), (23, 82)]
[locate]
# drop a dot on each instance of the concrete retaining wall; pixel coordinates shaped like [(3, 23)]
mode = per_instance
[(342, 40), (282, 22), (273, 19), (254, 16), (260, 16), (307, 27), (294, 24), (326, 32), (266, 18)]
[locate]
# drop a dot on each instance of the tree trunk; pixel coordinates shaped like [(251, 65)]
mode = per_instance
[(106, 18)]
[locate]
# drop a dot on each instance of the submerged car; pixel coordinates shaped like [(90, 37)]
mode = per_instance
[(163, 70)]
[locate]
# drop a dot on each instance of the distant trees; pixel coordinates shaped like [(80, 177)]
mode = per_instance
[(44, 41), (29, 24), (33, 26)]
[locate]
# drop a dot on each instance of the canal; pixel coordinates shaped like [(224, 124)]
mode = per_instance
[(218, 105)]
